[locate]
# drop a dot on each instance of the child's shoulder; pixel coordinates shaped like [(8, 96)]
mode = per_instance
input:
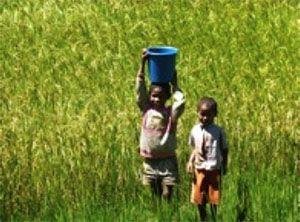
[(217, 128), (165, 110), (196, 127)]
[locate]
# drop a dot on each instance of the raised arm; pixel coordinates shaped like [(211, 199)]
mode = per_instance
[(179, 100), (191, 161), (141, 90)]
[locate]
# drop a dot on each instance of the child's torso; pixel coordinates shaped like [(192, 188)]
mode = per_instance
[(156, 122), (157, 136), (208, 145)]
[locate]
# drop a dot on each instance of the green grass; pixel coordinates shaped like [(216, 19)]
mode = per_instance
[(69, 125)]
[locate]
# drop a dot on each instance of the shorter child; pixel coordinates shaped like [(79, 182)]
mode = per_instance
[(158, 132), (208, 158)]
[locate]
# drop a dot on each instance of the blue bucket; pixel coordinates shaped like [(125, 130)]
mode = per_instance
[(161, 63)]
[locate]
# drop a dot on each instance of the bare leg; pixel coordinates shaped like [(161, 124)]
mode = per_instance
[(156, 188), (167, 191), (213, 209), (202, 212)]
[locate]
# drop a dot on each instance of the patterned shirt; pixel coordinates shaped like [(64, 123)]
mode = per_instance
[(207, 143), (158, 133)]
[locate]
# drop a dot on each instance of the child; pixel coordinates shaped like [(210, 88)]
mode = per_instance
[(208, 159), (158, 133)]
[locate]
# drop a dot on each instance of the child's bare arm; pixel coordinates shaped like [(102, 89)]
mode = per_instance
[(144, 58), (224, 152), (225, 156), (190, 164), (141, 90), (179, 100)]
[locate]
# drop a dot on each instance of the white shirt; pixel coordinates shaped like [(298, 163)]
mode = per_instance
[(207, 143)]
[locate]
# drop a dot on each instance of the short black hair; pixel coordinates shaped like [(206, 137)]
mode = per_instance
[(210, 102), (165, 86)]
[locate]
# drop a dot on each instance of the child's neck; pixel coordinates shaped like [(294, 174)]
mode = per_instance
[(159, 107), (206, 125)]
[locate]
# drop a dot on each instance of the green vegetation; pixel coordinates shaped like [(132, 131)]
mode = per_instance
[(69, 125)]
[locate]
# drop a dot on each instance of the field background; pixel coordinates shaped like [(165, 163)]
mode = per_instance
[(69, 125)]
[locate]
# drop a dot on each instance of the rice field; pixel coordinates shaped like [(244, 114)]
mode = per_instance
[(69, 124)]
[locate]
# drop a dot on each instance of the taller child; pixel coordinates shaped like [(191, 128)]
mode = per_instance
[(158, 132)]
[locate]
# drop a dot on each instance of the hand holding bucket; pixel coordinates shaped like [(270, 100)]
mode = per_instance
[(161, 63)]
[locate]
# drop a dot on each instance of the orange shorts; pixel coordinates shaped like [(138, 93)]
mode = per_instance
[(206, 187)]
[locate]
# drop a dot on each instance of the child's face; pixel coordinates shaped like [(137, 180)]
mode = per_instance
[(206, 114), (158, 97)]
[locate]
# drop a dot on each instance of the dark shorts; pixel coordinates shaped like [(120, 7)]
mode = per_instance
[(165, 170)]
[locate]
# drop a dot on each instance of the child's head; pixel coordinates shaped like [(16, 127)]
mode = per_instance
[(207, 110), (159, 94)]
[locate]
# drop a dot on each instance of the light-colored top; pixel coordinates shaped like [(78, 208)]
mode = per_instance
[(158, 133), (207, 143)]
